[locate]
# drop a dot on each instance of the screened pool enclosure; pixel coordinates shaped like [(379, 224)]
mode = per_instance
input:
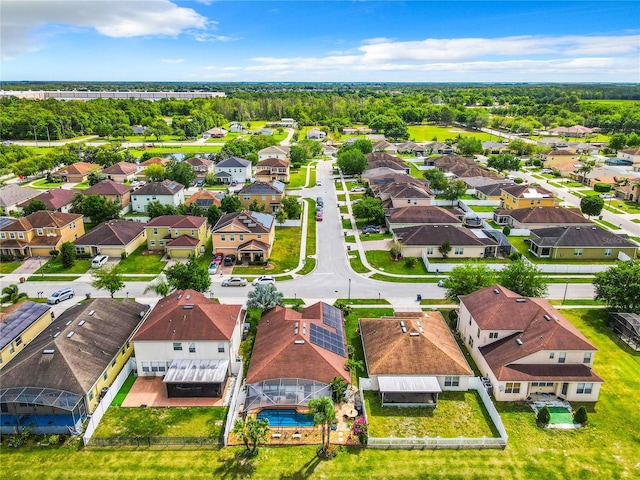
[(289, 392)]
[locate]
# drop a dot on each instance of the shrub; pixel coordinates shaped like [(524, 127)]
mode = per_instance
[(7, 258), (580, 416), (537, 163), (518, 180), (602, 187), (54, 253), (544, 416), (515, 256), (410, 262), (123, 255), (506, 230)]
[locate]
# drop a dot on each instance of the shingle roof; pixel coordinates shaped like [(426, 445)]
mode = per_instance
[(277, 355), (546, 215), (378, 177), (78, 168), (273, 162), (434, 235), (631, 151), (404, 190), (421, 214), (78, 359), (121, 168), (560, 153), (262, 188), (166, 187), (426, 348), (13, 194), (526, 191), (463, 170), (42, 219), (113, 232), (246, 221), (54, 199), (204, 198), (184, 241), (234, 162), (570, 236), (275, 149), (176, 221), (107, 187), (189, 315), (447, 161), (198, 161), (155, 161), (382, 159)]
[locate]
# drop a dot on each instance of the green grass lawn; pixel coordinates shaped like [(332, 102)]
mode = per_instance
[(285, 254), (166, 151), (57, 278), (415, 171), (386, 278), (124, 390), (355, 262), (426, 133), (55, 266), (42, 184), (523, 248), (9, 267), (482, 208), (604, 223), (363, 301), (139, 263), (381, 260), (457, 414), (367, 237), (297, 178), (342, 197), (350, 239), (437, 301), (310, 263)]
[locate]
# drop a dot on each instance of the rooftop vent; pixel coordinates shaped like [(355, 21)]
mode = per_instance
[(188, 297), (593, 228), (518, 341), (404, 329), (577, 228), (295, 331), (547, 317), (81, 322), (141, 314), (56, 334), (414, 334), (421, 330), (179, 296), (68, 323), (298, 342), (187, 307), (496, 291), (401, 323), (419, 324), (48, 351), (91, 312), (70, 334), (521, 300)]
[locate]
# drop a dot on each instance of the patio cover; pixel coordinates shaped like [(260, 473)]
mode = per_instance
[(197, 371), (406, 384)]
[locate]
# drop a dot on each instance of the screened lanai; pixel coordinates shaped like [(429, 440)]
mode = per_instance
[(409, 390), (289, 392), (41, 410)]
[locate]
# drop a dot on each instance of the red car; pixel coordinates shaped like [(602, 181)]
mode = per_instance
[(319, 215), (217, 258)]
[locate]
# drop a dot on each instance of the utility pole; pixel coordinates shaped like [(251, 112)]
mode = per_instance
[(35, 135), (349, 296)]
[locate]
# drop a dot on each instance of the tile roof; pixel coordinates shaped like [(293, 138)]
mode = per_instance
[(282, 352), (42, 219), (631, 151), (189, 315), (526, 191), (112, 232), (121, 168), (246, 221), (273, 162), (421, 214), (425, 348), (234, 162), (107, 187), (166, 187), (54, 199), (570, 236), (78, 168), (184, 241), (79, 359), (13, 194), (176, 221), (204, 198), (262, 188), (434, 235), (546, 215)]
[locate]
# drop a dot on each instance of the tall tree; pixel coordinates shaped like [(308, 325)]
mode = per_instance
[(437, 179), (159, 287), (469, 145), (255, 206), (324, 414), (468, 278), (352, 161), (155, 172), (11, 294), (369, 208), (454, 190), (291, 206), (619, 286), (264, 297), (213, 214), (107, 278), (68, 254), (591, 205), (230, 204), (504, 161), (96, 207), (445, 248), (190, 275), (298, 156), (524, 278), (34, 206), (180, 172)]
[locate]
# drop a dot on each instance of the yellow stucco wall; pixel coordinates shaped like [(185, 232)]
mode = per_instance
[(26, 336), (112, 372)]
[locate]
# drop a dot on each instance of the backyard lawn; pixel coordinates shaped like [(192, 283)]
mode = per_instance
[(482, 208), (427, 133), (55, 266), (523, 248), (138, 262), (381, 260), (285, 254), (457, 414)]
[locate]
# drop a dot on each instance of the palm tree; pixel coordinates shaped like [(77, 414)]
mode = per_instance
[(12, 295), (338, 389), (161, 287), (252, 432), (586, 167), (324, 414)]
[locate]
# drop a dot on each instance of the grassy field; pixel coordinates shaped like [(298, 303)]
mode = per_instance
[(428, 133), (9, 267), (162, 150), (297, 178), (55, 266), (356, 263), (285, 254), (42, 184), (523, 248), (139, 263), (363, 301), (381, 260), (482, 208), (57, 278), (386, 278)]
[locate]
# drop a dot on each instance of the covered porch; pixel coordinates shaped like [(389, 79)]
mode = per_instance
[(409, 391), (196, 378), (253, 251)]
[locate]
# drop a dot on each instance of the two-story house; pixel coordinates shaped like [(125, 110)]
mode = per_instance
[(166, 192), (247, 235), (39, 233), (112, 191), (121, 172), (77, 172), (178, 235), (19, 324), (267, 194), (281, 152), (525, 346), (192, 342), (56, 199), (396, 195), (233, 169), (523, 196), (315, 134), (202, 166), (556, 157), (273, 169), (631, 155)]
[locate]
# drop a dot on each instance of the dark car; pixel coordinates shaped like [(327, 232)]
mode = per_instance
[(319, 201), (199, 183), (370, 229), (229, 260)]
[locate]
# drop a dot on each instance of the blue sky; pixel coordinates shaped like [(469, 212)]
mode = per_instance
[(344, 41)]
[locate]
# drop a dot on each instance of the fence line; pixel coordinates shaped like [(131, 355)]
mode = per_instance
[(106, 400), (154, 441), (232, 412)]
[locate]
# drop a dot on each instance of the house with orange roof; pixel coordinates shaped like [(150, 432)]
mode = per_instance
[(205, 198), (110, 190), (178, 235), (76, 173), (271, 169), (247, 235), (121, 172), (524, 346)]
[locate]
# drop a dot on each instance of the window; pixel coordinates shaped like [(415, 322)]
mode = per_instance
[(493, 334), (469, 320), (40, 232), (247, 196), (20, 235), (584, 388), (221, 348), (259, 236), (512, 388), (562, 357), (145, 367), (241, 236), (11, 348), (155, 230), (192, 347), (177, 346), (408, 200), (18, 341), (193, 233), (478, 332), (542, 384), (607, 252), (578, 252), (3, 235), (452, 381), (551, 355), (458, 251), (122, 352), (12, 235), (104, 376), (429, 250), (90, 396), (152, 243), (470, 341), (587, 357), (161, 243), (232, 237), (113, 363), (264, 197), (222, 237)]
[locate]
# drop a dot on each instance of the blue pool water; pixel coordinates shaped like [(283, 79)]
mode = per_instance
[(285, 418)]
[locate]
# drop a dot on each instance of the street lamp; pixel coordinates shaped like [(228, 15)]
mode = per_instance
[(349, 297), (566, 286)]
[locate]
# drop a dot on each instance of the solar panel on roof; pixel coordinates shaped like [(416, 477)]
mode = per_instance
[(334, 342)]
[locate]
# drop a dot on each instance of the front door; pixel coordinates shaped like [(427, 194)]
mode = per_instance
[(565, 388)]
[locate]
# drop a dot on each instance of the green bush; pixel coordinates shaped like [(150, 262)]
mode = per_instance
[(410, 262), (580, 416), (544, 416), (602, 187), (537, 163), (515, 256), (518, 180), (506, 230)]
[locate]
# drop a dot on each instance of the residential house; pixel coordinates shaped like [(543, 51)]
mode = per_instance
[(315, 134), (214, 133), (205, 198), (493, 147), (19, 325), (138, 129), (267, 194), (584, 148), (166, 192), (382, 159), (76, 173), (492, 191), (112, 191), (296, 356), (386, 147), (121, 172), (462, 171), (415, 215), (285, 122), (356, 130), (525, 346), (411, 148), (425, 240), (445, 162), (281, 152), (412, 357), (575, 131), (178, 235), (247, 235), (552, 143), (13, 195), (566, 169), (202, 166), (473, 183), (39, 233), (383, 176), (56, 199), (233, 169), (155, 161), (523, 196), (540, 217), (629, 191), (329, 150), (580, 243), (599, 174), (273, 169), (57, 380), (116, 238), (630, 155), (439, 148), (192, 342), (555, 157), (236, 127), (396, 195)]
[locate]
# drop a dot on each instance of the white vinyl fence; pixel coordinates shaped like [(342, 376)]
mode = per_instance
[(236, 398)]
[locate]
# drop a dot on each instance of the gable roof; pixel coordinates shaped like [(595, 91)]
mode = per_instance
[(464, 170), (112, 232), (283, 346), (421, 214), (630, 151), (13, 194), (434, 235), (54, 199), (494, 189), (526, 191), (166, 187), (570, 236), (77, 359), (404, 190), (274, 162), (189, 315), (234, 162), (247, 221), (121, 168), (19, 320), (42, 219), (383, 159), (545, 215), (275, 150), (447, 161), (204, 198), (78, 168), (198, 162), (425, 348), (262, 188), (381, 176), (155, 161), (561, 153), (176, 221), (107, 187)]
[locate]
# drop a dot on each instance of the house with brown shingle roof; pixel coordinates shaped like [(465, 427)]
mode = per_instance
[(155, 161), (202, 166), (76, 173), (166, 192), (205, 198), (492, 191), (266, 194), (192, 342), (121, 172), (247, 235), (382, 176), (445, 162), (273, 169), (112, 191), (525, 346), (12, 196), (178, 235), (296, 356), (464, 242), (56, 199), (395, 195), (574, 131), (39, 233), (412, 356), (382, 159), (114, 238), (523, 196), (540, 217), (415, 215)]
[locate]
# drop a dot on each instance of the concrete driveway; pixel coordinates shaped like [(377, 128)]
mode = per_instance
[(376, 244)]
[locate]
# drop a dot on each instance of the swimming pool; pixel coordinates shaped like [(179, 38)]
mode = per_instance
[(286, 417)]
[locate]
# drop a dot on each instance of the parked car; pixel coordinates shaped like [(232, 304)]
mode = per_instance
[(234, 183), (319, 201), (99, 261), (60, 295), (135, 184), (229, 260), (546, 170), (318, 183), (199, 183), (264, 280), (234, 282), (370, 229), (213, 268), (607, 195), (217, 258), (358, 189), (319, 216)]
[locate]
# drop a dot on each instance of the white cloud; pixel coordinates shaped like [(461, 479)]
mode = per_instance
[(172, 60), (22, 21), (210, 37)]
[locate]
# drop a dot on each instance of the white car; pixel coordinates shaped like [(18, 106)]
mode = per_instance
[(60, 295), (546, 170), (264, 280), (607, 195), (99, 261), (318, 183), (213, 268), (358, 189)]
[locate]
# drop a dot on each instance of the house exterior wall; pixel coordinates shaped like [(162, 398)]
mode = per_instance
[(271, 203), (468, 251), (121, 177), (273, 173), (238, 174), (405, 202), (140, 202), (627, 156), (511, 203), (123, 199), (67, 233), (595, 252), (484, 196), (264, 156), (155, 237), (28, 334), (231, 238), (553, 160), (108, 375)]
